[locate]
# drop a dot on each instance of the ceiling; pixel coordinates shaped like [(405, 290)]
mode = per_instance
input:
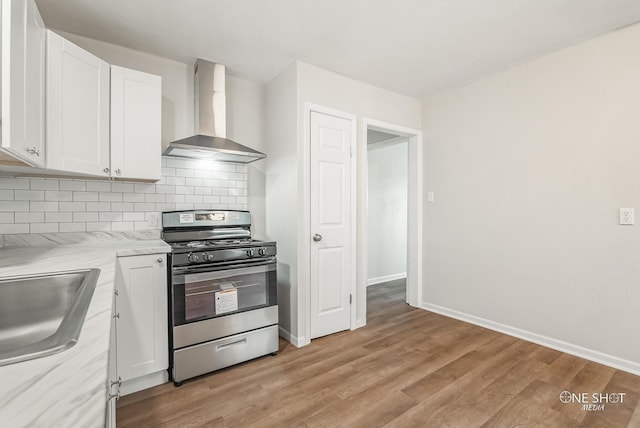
[(413, 47)]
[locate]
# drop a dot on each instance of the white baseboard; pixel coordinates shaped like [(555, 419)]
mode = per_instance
[(298, 342), (386, 278), (549, 342), (138, 384)]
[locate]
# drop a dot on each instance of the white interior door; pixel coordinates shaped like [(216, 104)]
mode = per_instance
[(331, 264)]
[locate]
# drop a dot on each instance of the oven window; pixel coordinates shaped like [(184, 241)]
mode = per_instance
[(209, 294)]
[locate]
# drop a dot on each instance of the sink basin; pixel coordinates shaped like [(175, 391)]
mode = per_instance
[(41, 315)]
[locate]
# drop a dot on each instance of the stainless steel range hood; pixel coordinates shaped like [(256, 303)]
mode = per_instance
[(210, 141)]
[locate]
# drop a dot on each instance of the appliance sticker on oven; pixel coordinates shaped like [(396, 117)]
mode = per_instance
[(186, 218), (226, 301)]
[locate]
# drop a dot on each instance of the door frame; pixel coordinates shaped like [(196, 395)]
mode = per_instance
[(304, 225), (414, 214)]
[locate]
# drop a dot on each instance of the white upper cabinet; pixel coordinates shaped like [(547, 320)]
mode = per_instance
[(77, 108), (136, 147), (23, 80)]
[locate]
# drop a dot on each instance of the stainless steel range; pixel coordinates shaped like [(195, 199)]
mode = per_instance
[(223, 298)]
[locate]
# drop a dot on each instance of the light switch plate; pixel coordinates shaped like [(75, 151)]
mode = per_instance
[(626, 216)]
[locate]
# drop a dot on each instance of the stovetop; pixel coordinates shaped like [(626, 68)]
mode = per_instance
[(214, 245), (211, 244)]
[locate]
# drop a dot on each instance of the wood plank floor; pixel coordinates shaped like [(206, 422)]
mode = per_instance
[(406, 368)]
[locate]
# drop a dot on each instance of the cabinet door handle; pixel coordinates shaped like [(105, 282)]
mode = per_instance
[(106, 170), (118, 172), (117, 315), (33, 151), (117, 382), (116, 396), (160, 259)]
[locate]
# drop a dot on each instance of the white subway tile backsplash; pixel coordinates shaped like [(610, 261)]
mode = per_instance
[(175, 181), (13, 228), (47, 205), (118, 226), (133, 197), (84, 217), (196, 199), (202, 190), (154, 197), (6, 218), (44, 228), (58, 217), (73, 227), (54, 195), (184, 190), (98, 206), (175, 198), (168, 172), (110, 197), (30, 218), (14, 206), (72, 206), (183, 172), (133, 216), (102, 226), (42, 184), (163, 188), (80, 186), (122, 206), (122, 187), (110, 216), (14, 183), (29, 195), (98, 186), (43, 206), (145, 188), (85, 196), (211, 200), (164, 207), (144, 207)]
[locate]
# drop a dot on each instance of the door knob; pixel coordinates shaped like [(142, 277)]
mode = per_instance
[(317, 238)]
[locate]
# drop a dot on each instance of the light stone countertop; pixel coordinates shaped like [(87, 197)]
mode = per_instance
[(68, 389)]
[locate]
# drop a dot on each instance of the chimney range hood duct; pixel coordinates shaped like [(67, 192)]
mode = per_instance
[(210, 122)]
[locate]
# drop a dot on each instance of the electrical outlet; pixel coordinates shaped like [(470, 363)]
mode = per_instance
[(152, 220), (626, 216)]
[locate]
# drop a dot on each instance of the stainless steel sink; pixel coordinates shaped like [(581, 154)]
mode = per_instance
[(43, 314)]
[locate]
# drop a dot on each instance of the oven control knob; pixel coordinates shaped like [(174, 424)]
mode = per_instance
[(262, 251), (193, 257), (251, 252), (208, 257)]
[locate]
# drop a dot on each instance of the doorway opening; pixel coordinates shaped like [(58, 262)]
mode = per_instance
[(387, 192), (390, 242)]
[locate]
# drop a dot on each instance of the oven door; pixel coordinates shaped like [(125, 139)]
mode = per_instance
[(204, 292)]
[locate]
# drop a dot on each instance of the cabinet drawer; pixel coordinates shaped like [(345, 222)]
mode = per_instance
[(206, 357)]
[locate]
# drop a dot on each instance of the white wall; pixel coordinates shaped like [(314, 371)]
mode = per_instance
[(245, 109), (387, 195), (282, 213), (529, 168), (286, 166)]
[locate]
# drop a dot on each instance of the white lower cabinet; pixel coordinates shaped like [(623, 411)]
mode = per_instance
[(141, 325)]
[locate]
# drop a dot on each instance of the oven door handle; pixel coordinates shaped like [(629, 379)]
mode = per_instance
[(209, 268)]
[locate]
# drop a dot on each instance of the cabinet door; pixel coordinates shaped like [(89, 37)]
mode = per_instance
[(77, 109), (142, 331), (23, 79), (136, 148)]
